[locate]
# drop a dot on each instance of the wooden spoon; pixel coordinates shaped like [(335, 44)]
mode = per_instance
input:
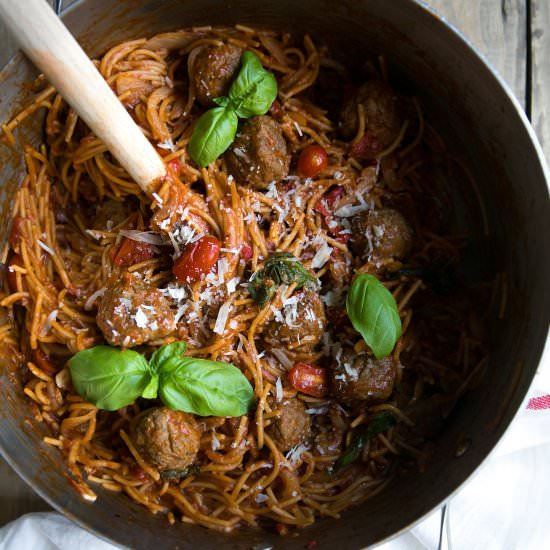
[(52, 48)]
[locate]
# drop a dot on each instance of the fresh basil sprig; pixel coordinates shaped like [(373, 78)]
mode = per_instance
[(380, 423), (110, 379), (282, 268), (254, 90), (252, 93), (213, 134), (373, 313)]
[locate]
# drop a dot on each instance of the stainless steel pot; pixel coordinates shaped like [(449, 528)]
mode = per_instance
[(480, 120)]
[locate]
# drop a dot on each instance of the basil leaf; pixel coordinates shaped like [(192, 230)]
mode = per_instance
[(203, 387), (281, 268), (254, 90), (380, 423), (165, 353), (213, 134), (110, 378), (373, 313)]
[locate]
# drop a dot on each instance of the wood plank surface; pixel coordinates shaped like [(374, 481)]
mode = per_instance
[(16, 497), (540, 76), (498, 28)]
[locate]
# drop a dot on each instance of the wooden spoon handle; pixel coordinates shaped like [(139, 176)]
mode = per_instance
[(52, 48)]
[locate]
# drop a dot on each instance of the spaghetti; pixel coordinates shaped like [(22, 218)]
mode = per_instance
[(77, 208)]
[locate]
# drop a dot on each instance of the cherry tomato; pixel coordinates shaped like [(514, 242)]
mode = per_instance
[(366, 148), (11, 275), (43, 362), (326, 203), (132, 252), (313, 159), (197, 259), (309, 379)]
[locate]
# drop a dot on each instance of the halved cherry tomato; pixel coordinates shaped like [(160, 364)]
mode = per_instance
[(197, 259), (326, 203), (309, 379), (132, 252), (10, 274), (313, 159), (44, 362), (366, 148)]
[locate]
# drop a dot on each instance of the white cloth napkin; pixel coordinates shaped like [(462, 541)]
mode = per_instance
[(503, 507)]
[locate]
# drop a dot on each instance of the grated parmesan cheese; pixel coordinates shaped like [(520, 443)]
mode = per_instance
[(278, 390), (93, 297), (221, 320), (215, 442), (232, 284), (282, 357), (48, 324), (317, 410), (348, 211), (261, 498), (167, 145), (45, 247), (321, 257), (295, 454), (141, 318), (157, 198), (222, 270)]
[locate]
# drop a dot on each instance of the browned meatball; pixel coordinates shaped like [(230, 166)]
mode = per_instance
[(214, 69), (329, 429), (300, 325), (166, 439), (383, 233), (258, 155), (360, 379), (292, 426), (382, 120), (132, 312)]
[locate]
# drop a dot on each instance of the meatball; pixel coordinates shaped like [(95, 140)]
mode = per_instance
[(166, 439), (132, 312), (360, 379), (329, 432), (292, 426), (259, 155), (382, 120), (214, 69), (383, 233), (300, 325)]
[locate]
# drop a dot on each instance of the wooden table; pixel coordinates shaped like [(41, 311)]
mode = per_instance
[(514, 35)]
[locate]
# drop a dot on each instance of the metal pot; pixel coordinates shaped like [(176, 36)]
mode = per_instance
[(480, 120)]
